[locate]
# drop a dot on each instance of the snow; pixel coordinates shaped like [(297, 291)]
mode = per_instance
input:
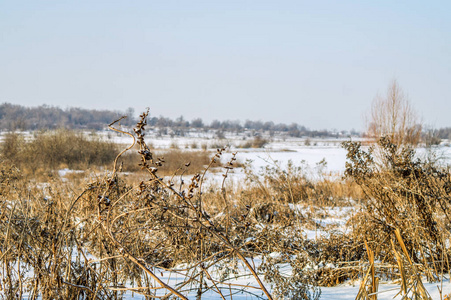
[(349, 290), (65, 171), (387, 291)]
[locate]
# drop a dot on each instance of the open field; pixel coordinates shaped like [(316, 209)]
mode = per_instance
[(294, 219)]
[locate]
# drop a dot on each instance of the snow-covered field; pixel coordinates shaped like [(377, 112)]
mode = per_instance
[(310, 152)]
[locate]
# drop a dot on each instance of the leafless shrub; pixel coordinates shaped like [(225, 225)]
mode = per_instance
[(394, 116)]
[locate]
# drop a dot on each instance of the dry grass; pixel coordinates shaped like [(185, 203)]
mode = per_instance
[(296, 184), (402, 193), (86, 238), (51, 150)]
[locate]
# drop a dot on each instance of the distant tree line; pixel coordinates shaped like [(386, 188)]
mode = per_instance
[(179, 126), (17, 117)]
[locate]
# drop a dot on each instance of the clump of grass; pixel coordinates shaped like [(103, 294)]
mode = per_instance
[(256, 142), (194, 145), (409, 275), (174, 145)]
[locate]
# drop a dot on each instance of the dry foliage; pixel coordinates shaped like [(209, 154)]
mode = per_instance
[(299, 184), (406, 194), (256, 142), (98, 240)]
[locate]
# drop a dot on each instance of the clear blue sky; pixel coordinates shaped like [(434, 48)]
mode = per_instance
[(317, 63)]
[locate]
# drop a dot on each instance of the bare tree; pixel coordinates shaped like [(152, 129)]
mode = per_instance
[(392, 115)]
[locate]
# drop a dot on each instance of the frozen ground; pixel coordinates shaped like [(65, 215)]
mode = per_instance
[(386, 290)]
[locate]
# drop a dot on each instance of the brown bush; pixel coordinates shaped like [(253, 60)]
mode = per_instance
[(256, 142), (402, 193)]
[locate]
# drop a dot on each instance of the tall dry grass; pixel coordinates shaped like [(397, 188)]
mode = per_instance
[(50, 150), (402, 193)]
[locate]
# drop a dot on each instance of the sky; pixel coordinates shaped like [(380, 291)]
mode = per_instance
[(316, 63)]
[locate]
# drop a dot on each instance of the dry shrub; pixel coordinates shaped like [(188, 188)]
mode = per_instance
[(256, 142), (37, 241), (9, 174), (291, 286), (403, 193)]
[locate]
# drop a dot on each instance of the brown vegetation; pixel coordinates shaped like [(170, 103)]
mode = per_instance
[(50, 150), (98, 239), (174, 161), (256, 142), (402, 193)]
